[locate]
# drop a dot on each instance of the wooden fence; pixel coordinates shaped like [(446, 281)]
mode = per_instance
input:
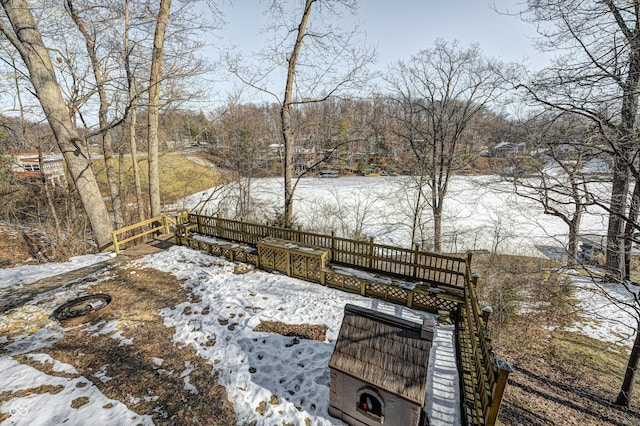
[(484, 377), (404, 263), (451, 287)]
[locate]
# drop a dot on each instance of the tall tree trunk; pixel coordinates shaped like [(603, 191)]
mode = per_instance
[(103, 119), (134, 163), (615, 229), (630, 375), (153, 109), (437, 229), (26, 38), (574, 229), (285, 116), (624, 155), (133, 118), (437, 197), (417, 211), (631, 228)]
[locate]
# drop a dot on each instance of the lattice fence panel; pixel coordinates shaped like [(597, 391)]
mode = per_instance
[(251, 258), (376, 289), (299, 266), (267, 258), (280, 261), (397, 294), (425, 301), (351, 283)]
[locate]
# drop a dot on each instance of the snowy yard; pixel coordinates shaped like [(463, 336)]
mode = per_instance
[(269, 377)]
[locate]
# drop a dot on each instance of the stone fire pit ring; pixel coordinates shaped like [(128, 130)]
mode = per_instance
[(82, 309)]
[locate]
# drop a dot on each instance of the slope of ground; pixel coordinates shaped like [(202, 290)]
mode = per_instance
[(134, 369), (561, 377)]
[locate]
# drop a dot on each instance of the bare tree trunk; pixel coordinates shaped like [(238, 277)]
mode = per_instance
[(103, 118), (134, 162), (133, 118), (417, 211), (574, 242), (630, 375), (153, 110), (630, 229), (436, 208), (26, 38), (437, 230), (285, 116), (123, 193), (615, 229)]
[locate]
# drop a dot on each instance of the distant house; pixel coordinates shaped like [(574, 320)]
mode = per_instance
[(328, 173), (379, 369), (27, 167), (505, 150)]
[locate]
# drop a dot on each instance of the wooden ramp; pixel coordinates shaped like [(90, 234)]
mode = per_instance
[(158, 244)]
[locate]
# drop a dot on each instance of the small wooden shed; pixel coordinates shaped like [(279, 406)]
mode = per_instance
[(379, 369)]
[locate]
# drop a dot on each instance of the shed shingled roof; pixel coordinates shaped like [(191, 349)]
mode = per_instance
[(383, 350)]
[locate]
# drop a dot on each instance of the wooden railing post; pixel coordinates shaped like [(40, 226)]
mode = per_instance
[(414, 261), (165, 224), (504, 369), (486, 313), (115, 243), (333, 246)]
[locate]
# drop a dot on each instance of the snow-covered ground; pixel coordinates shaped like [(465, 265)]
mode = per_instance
[(290, 376), (610, 310)]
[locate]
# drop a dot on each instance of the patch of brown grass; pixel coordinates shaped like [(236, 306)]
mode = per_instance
[(303, 331), (137, 297), (13, 247), (7, 396)]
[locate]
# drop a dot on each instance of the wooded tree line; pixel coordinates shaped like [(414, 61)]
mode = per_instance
[(95, 69)]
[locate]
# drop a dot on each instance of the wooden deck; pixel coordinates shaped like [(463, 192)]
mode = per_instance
[(158, 244)]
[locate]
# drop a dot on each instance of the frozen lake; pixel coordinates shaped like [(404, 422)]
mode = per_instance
[(480, 213)]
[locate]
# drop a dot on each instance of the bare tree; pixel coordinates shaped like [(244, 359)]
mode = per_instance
[(155, 78), (22, 32), (101, 67), (559, 178), (316, 60), (439, 91), (132, 122), (597, 76)]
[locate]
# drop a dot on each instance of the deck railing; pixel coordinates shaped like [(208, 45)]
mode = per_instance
[(138, 231), (483, 377), (406, 263)]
